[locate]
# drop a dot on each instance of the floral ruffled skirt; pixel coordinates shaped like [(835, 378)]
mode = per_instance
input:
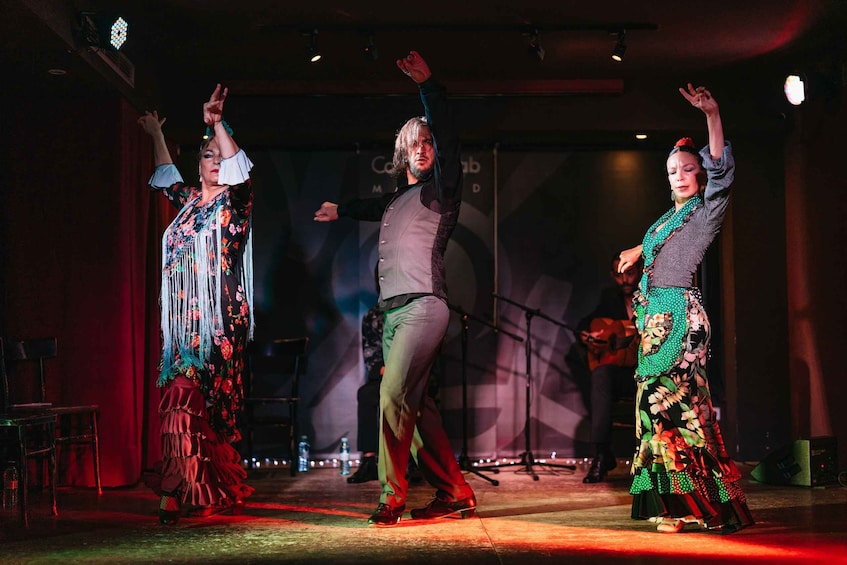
[(681, 467)]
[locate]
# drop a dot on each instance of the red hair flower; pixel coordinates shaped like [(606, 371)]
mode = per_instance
[(685, 142)]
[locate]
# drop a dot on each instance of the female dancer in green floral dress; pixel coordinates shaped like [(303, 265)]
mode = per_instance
[(681, 470), (206, 300)]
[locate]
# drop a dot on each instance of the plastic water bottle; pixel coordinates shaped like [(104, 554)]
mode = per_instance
[(10, 488), (303, 450), (344, 456)]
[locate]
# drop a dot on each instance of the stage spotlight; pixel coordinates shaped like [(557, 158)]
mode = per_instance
[(369, 50), (535, 48), (314, 52), (118, 33), (102, 31), (620, 47), (795, 89)]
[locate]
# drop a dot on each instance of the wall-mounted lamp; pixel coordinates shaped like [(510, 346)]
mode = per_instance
[(620, 47)]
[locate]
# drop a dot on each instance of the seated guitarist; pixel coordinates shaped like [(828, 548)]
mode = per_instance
[(610, 338)]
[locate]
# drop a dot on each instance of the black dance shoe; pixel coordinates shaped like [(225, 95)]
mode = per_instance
[(385, 516), (169, 509), (441, 508), (366, 472), (602, 464)]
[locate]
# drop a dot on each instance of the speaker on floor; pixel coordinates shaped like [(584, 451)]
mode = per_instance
[(806, 462)]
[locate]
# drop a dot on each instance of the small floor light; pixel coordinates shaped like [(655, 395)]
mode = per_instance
[(620, 47)]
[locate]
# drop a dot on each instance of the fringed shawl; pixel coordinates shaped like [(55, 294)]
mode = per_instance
[(191, 316)]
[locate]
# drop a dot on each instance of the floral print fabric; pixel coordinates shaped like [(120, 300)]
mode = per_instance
[(681, 453), (207, 313)]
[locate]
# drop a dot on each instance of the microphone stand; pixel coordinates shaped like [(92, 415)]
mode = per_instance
[(464, 460), (527, 460)]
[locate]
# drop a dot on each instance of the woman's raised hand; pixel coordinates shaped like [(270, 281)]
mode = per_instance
[(700, 98), (151, 123), (213, 110)]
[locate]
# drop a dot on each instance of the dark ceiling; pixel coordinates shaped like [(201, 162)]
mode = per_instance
[(180, 48)]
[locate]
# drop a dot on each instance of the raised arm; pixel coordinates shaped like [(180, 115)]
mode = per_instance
[(414, 66), (151, 124), (448, 165), (213, 111), (701, 98)]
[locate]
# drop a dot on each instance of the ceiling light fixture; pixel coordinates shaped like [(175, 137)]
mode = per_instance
[(620, 47), (795, 89), (118, 33), (369, 50), (102, 31), (314, 52), (535, 49)]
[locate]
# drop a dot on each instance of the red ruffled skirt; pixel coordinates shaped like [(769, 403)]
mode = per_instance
[(199, 465)]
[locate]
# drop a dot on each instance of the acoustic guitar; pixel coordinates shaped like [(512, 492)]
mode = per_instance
[(617, 343)]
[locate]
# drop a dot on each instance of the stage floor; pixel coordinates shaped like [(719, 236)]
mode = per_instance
[(318, 518)]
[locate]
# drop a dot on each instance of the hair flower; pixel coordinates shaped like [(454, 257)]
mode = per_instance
[(685, 142)]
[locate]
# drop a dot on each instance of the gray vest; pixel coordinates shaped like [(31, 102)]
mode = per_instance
[(412, 241)]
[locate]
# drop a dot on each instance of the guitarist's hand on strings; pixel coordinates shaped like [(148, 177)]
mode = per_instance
[(593, 340)]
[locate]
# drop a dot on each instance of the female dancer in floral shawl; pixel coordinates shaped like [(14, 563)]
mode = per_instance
[(206, 300), (682, 472)]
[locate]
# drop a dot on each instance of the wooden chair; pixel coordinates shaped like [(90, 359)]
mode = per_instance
[(271, 387), (27, 433), (75, 425)]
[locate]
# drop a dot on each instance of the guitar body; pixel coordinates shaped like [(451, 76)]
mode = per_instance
[(617, 343)]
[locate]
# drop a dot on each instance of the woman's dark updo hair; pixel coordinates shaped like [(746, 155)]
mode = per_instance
[(686, 145)]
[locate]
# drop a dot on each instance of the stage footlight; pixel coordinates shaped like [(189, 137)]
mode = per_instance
[(535, 48)]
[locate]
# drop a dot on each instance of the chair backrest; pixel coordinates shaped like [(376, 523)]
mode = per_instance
[(4, 386), (280, 356), (37, 350)]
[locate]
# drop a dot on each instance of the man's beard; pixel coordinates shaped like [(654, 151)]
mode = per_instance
[(418, 173)]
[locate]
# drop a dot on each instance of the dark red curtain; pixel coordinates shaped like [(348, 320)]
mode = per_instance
[(80, 262)]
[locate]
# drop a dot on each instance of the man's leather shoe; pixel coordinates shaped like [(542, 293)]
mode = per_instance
[(602, 464), (384, 515), (366, 472), (439, 507)]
